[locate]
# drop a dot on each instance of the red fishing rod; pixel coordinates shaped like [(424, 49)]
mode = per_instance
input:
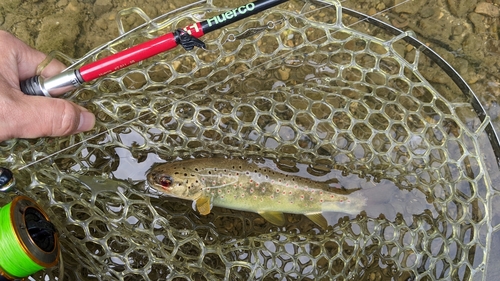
[(187, 37)]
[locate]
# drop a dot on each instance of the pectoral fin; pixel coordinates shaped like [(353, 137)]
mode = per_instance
[(276, 218), (203, 205), (318, 219)]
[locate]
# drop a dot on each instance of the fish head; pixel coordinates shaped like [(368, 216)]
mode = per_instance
[(175, 181)]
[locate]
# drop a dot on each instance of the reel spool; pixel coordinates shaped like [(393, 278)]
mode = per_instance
[(28, 240), (7, 180)]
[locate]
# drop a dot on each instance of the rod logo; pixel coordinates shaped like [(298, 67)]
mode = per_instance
[(231, 14)]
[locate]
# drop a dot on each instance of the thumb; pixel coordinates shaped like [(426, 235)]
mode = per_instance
[(33, 116)]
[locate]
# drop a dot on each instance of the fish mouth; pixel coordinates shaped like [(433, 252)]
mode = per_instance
[(150, 189), (152, 176), (149, 183), (151, 179)]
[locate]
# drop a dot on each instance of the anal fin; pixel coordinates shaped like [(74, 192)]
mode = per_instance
[(318, 219), (277, 218)]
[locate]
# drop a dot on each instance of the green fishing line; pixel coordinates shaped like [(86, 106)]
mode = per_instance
[(13, 258)]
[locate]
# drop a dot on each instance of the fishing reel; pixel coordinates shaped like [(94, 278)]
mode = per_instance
[(28, 240), (7, 180)]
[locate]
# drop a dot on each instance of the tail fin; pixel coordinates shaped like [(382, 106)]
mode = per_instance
[(353, 205)]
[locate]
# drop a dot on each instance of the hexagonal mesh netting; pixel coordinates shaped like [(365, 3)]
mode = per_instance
[(298, 86)]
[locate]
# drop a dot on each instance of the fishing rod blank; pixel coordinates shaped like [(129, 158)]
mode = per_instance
[(186, 37)]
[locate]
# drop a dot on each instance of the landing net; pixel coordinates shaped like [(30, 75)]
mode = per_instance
[(306, 86)]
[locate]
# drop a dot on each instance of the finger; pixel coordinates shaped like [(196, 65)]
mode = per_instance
[(40, 116), (26, 58)]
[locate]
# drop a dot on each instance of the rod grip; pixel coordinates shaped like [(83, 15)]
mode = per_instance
[(32, 86), (53, 86)]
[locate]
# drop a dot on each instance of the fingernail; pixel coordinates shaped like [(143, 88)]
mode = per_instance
[(87, 121)]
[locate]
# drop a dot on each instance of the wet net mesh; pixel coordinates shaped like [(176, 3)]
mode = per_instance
[(305, 86)]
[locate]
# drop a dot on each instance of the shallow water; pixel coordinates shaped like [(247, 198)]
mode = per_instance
[(59, 24)]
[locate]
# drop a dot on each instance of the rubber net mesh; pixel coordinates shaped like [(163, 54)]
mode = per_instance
[(302, 88)]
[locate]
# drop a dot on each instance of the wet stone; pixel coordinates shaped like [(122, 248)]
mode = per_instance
[(477, 21), (102, 6), (427, 12), (487, 9), (460, 8)]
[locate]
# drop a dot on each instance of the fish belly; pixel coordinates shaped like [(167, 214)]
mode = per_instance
[(266, 197)]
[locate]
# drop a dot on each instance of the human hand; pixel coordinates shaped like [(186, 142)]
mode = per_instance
[(23, 116)]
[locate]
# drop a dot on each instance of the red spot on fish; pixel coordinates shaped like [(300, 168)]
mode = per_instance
[(332, 196), (272, 196), (302, 197), (321, 192), (251, 190), (321, 200), (284, 192), (219, 191), (310, 198), (277, 190), (341, 200), (289, 192), (256, 184), (242, 195)]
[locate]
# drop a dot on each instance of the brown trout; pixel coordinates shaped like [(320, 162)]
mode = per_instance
[(239, 185)]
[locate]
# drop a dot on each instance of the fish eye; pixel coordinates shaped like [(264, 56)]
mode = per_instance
[(165, 181)]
